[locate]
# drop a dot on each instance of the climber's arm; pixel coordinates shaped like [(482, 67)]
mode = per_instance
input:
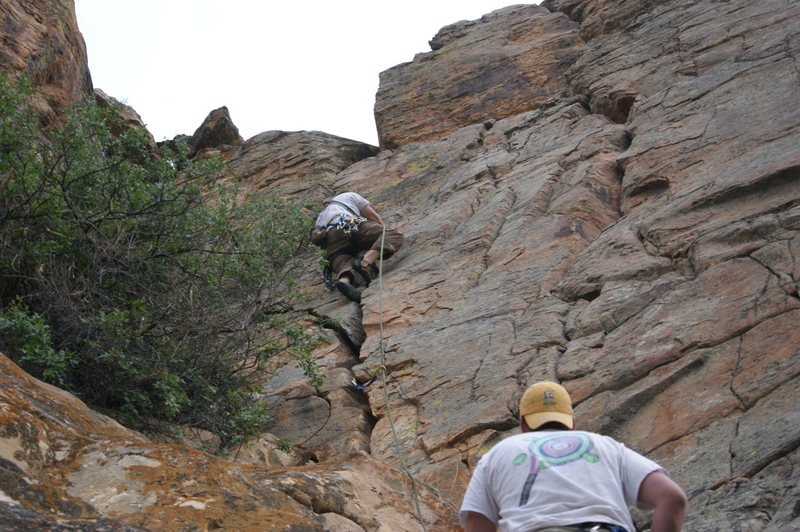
[(662, 493), (477, 522), (371, 214)]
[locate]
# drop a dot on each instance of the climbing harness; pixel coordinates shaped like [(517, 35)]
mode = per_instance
[(348, 224)]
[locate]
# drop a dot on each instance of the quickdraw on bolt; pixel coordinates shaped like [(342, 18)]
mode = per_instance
[(359, 386)]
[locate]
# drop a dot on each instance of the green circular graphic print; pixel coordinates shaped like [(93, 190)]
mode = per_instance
[(560, 449)]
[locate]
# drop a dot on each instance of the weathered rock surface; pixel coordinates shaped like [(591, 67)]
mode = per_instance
[(506, 63), (216, 131), (636, 240), (602, 16), (633, 233), (299, 164), (130, 117), (64, 467), (40, 38)]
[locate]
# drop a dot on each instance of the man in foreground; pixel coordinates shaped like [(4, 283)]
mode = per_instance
[(554, 478), (347, 226)]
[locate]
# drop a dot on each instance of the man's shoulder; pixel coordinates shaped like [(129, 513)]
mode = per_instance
[(599, 438), (513, 442), (526, 438), (587, 436), (350, 196)]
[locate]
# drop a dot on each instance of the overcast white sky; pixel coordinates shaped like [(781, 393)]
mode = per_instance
[(276, 65)]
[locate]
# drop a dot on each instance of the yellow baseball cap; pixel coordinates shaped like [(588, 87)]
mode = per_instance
[(544, 402)]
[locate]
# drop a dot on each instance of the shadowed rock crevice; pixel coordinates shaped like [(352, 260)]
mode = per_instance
[(318, 420), (735, 373), (464, 435), (475, 379), (649, 190), (591, 295), (775, 185), (351, 335), (615, 105)]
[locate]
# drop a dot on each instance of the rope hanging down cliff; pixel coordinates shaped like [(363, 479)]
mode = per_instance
[(398, 450)]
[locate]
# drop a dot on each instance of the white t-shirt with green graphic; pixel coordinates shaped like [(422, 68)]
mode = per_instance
[(557, 478)]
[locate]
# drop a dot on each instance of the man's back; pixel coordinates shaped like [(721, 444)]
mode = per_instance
[(347, 204), (548, 478)]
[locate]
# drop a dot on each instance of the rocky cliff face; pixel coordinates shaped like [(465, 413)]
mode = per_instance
[(64, 467), (600, 192), (508, 62), (40, 38)]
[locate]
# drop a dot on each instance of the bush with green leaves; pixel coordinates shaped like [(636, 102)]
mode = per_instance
[(164, 293), (27, 335)]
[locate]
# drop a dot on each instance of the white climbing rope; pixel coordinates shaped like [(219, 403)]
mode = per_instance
[(403, 464)]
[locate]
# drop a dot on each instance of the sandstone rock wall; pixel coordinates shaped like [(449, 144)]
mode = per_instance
[(505, 63), (630, 229), (40, 38), (65, 467), (634, 237)]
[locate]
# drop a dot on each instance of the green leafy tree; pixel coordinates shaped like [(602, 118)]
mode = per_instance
[(28, 336), (169, 292)]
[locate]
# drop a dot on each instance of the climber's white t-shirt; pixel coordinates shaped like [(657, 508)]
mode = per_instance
[(332, 211), (557, 478)]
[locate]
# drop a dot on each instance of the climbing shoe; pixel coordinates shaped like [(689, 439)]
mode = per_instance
[(363, 271), (349, 291)]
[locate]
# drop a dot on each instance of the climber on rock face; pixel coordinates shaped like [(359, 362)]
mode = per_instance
[(554, 478), (346, 227)]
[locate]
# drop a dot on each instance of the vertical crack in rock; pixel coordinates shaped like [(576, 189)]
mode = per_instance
[(560, 350), (794, 265), (314, 434), (342, 334), (629, 138), (731, 454), (498, 220), (735, 373), (485, 224), (763, 293), (474, 379), (780, 276), (348, 408)]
